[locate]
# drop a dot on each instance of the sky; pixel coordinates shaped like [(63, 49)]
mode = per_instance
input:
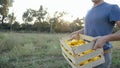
[(74, 8)]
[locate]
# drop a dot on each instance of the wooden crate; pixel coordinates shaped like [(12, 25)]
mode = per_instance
[(71, 54)]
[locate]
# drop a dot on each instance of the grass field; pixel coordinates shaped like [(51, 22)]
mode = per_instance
[(25, 50)]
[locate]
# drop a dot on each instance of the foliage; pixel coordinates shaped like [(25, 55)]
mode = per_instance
[(40, 21), (41, 13), (115, 29), (35, 50), (16, 26), (5, 7), (5, 26), (28, 15)]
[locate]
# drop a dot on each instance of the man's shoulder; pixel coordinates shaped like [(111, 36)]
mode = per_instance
[(110, 5)]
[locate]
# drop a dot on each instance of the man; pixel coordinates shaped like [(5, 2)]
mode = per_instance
[(99, 23)]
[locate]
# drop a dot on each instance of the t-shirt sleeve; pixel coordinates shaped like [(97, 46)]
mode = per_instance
[(115, 13)]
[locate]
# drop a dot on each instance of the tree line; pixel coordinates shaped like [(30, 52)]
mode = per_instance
[(38, 20)]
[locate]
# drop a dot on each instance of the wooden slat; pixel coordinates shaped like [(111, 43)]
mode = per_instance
[(73, 66), (82, 48), (72, 58), (93, 64), (86, 66), (98, 62), (66, 46), (89, 38), (89, 56), (82, 36)]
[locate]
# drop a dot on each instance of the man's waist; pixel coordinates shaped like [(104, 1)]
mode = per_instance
[(107, 51)]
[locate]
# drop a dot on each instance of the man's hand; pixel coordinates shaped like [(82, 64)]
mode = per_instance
[(75, 35), (100, 41)]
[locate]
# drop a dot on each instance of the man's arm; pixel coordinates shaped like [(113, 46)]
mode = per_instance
[(115, 36), (101, 41), (81, 31)]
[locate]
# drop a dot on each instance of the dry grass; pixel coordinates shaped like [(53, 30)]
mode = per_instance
[(25, 50)]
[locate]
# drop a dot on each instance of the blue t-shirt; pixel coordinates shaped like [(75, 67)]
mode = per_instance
[(100, 21)]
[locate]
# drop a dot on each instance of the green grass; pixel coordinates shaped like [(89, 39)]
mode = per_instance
[(116, 55), (25, 50)]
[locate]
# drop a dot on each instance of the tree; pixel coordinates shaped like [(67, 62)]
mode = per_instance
[(41, 13), (57, 19), (77, 24), (16, 26), (52, 21), (26, 26), (11, 20), (28, 15), (38, 17), (4, 9), (10, 3)]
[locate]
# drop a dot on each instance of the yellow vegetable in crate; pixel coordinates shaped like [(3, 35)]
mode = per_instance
[(83, 63), (81, 41), (72, 43), (96, 58), (81, 54), (90, 60), (75, 42), (88, 51)]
